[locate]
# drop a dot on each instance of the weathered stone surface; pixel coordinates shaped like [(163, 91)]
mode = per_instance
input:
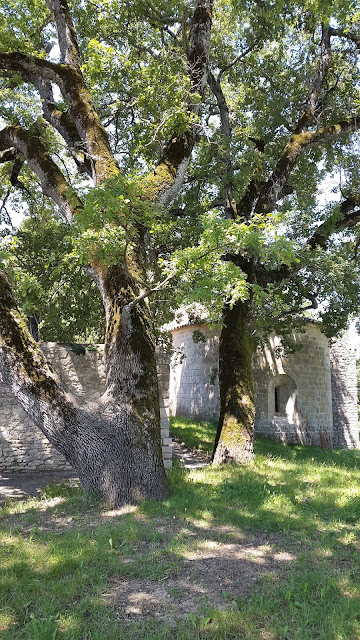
[(194, 383), (344, 396), (320, 407)]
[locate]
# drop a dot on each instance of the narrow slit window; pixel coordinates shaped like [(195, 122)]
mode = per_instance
[(283, 397), (277, 399)]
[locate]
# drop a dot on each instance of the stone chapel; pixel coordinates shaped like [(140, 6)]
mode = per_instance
[(307, 397)]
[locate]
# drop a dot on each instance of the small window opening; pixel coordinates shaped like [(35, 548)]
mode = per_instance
[(283, 397), (277, 399)]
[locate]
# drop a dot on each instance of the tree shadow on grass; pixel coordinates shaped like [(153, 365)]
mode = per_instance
[(115, 574), (287, 501)]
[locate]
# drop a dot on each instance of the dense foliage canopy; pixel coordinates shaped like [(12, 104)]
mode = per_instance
[(208, 146), (277, 129)]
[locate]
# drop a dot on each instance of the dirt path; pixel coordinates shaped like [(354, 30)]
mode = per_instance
[(18, 486), (190, 458)]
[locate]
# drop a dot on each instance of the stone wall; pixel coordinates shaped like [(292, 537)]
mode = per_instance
[(194, 381), (316, 399), (344, 395), (23, 447), (307, 418), (293, 392)]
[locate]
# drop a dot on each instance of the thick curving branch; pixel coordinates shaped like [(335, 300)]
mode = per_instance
[(24, 369), (225, 132), (81, 109), (52, 180), (216, 89), (8, 156), (164, 183), (65, 126), (345, 216), (68, 44), (348, 35), (273, 189), (30, 68)]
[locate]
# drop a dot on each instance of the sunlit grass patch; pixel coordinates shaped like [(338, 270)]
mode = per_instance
[(7, 620), (311, 605), (195, 434), (59, 553)]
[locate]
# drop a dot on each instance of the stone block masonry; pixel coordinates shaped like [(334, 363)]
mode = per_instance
[(344, 395), (23, 447), (304, 376), (305, 397), (194, 380)]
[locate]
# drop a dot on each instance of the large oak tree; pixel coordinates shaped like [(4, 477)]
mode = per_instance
[(316, 127), (114, 444), (270, 240), (272, 106)]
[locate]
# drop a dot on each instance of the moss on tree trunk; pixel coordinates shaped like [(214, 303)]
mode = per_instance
[(114, 444), (235, 434)]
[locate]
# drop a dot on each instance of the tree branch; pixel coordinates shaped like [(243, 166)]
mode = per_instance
[(65, 125), (163, 185), (263, 196), (216, 89), (225, 132), (68, 44), (345, 216), (39, 160), (238, 58), (31, 67), (14, 176), (81, 108), (340, 33), (146, 293), (8, 156), (25, 370), (273, 189), (313, 101)]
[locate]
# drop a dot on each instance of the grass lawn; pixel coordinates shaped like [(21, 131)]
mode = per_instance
[(269, 551), (196, 435)]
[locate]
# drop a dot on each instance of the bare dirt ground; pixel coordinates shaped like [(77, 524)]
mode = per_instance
[(215, 566), (18, 486), (215, 574)]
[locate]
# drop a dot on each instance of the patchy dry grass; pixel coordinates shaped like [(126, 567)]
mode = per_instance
[(265, 552)]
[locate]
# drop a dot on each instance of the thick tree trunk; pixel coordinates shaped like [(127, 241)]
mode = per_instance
[(235, 435), (114, 444)]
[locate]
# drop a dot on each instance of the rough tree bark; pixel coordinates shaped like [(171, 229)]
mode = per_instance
[(114, 444), (235, 434)]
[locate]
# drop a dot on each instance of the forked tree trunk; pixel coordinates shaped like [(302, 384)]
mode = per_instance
[(235, 434), (114, 444)]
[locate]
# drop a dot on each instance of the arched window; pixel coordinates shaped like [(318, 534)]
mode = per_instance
[(282, 400)]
